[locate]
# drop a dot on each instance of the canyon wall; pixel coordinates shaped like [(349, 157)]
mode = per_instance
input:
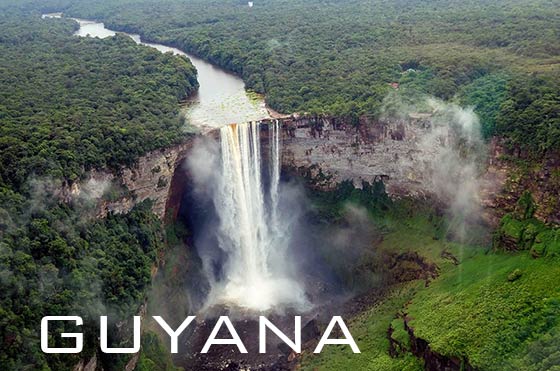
[(328, 151), (510, 173), (149, 178)]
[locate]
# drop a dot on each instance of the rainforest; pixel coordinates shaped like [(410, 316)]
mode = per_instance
[(279, 185)]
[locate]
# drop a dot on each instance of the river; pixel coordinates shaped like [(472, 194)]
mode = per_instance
[(221, 98)]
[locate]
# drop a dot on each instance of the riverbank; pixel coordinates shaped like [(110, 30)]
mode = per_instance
[(221, 98)]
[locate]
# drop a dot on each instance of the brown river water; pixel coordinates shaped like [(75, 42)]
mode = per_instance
[(221, 98)]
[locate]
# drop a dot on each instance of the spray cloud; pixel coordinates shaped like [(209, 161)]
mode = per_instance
[(251, 230)]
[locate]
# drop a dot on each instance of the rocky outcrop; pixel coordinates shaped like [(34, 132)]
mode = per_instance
[(149, 178), (510, 173), (329, 151), (410, 266), (91, 365)]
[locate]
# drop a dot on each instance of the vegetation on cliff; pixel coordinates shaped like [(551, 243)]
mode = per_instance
[(56, 261), (520, 230), (490, 309), (67, 105)]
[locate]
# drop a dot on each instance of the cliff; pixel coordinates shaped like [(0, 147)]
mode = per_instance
[(510, 173), (150, 178), (405, 154), (329, 151)]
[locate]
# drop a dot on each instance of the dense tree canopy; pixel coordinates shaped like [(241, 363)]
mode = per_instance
[(56, 261), (338, 57), (69, 104)]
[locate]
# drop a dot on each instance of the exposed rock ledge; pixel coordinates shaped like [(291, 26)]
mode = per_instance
[(330, 151), (433, 361), (149, 178)]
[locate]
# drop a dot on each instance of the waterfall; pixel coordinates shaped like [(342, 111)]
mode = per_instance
[(275, 170), (251, 231)]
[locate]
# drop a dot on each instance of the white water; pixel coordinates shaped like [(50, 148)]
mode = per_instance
[(250, 230)]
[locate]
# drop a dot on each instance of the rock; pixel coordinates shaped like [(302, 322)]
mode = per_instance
[(434, 361), (515, 275)]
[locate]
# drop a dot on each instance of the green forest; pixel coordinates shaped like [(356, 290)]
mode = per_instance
[(338, 57), (69, 105)]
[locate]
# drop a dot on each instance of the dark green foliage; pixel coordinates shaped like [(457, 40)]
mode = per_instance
[(154, 356), (521, 231), (330, 205), (338, 57), (54, 263), (486, 94), (69, 104), (527, 234), (530, 116), (480, 313), (526, 206), (542, 354)]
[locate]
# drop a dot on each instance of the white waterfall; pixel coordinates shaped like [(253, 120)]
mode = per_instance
[(275, 170), (251, 231)]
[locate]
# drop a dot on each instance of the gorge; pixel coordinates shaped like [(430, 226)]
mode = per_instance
[(416, 156), (401, 152)]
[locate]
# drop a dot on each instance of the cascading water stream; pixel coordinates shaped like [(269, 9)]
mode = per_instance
[(251, 231)]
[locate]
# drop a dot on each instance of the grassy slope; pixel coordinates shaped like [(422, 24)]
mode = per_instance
[(370, 332), (471, 310), (480, 310)]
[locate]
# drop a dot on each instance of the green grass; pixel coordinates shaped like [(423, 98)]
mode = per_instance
[(370, 332), (406, 226), (494, 309), (490, 309), (400, 335), (497, 310)]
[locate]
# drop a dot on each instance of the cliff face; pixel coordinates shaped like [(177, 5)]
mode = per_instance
[(152, 175), (405, 153), (328, 152), (150, 178), (510, 173)]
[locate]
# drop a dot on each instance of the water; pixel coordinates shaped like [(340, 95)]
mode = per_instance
[(251, 231), (221, 98)]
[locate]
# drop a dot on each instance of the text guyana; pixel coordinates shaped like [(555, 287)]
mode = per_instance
[(264, 325)]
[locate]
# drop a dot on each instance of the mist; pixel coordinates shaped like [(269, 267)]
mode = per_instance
[(245, 234), (453, 155)]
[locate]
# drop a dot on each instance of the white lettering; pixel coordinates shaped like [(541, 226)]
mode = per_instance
[(235, 340), (295, 345), (45, 335), (174, 335), (106, 349), (348, 339)]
